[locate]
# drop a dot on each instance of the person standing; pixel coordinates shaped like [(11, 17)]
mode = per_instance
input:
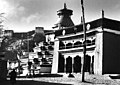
[(13, 76)]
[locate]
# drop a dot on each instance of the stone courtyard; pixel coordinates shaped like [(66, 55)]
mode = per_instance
[(65, 80)]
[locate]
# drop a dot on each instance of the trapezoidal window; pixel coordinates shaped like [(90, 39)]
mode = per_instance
[(93, 42), (61, 45), (88, 42), (77, 44), (69, 45)]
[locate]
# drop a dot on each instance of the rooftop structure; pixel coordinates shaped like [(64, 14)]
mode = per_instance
[(64, 18)]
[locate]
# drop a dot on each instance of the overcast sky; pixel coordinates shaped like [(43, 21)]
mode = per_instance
[(25, 15)]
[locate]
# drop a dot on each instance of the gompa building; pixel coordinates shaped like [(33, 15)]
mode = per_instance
[(102, 45)]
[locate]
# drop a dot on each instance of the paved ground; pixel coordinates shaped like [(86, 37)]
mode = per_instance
[(65, 80)]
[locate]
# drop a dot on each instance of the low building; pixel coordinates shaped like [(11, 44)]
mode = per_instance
[(102, 47)]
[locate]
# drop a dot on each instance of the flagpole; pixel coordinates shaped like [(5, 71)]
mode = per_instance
[(84, 43)]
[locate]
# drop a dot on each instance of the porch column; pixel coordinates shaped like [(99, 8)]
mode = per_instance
[(65, 65), (72, 64), (55, 57), (98, 54)]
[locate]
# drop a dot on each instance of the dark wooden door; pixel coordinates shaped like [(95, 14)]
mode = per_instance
[(69, 65), (77, 64), (87, 63), (61, 63)]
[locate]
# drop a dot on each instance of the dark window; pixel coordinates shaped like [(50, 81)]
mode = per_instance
[(77, 44), (47, 53), (88, 42), (50, 48), (36, 61), (61, 45), (69, 45), (93, 42), (40, 53), (45, 43), (43, 48), (51, 43)]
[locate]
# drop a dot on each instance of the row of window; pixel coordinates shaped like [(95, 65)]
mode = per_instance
[(45, 53), (76, 44), (48, 43), (47, 48)]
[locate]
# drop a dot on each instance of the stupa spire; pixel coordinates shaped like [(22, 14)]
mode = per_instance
[(65, 6), (64, 19)]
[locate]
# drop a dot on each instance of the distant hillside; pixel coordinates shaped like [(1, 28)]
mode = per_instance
[(19, 40), (25, 35)]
